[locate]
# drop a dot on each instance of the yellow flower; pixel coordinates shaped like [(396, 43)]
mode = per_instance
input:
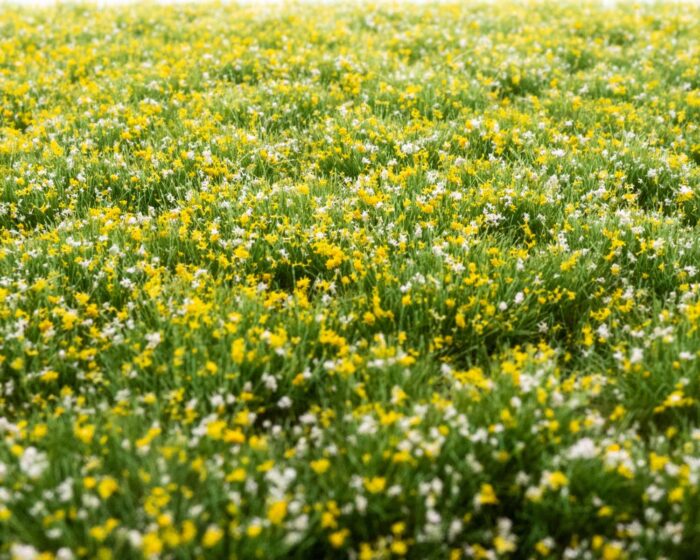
[(557, 480), (151, 545), (189, 531), (215, 429), (84, 433), (486, 495), (399, 548), (676, 495), (17, 364), (254, 530), (238, 351), (277, 512), (375, 485), (612, 552), (107, 487), (234, 436), (48, 376), (503, 545), (68, 320), (320, 466), (657, 462), (212, 536), (337, 538), (543, 548), (237, 475)]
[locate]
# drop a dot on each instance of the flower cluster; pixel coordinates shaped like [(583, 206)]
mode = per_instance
[(360, 282)]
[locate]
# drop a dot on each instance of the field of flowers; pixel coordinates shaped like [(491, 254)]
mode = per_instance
[(357, 282)]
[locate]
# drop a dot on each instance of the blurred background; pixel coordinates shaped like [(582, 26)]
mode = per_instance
[(603, 3)]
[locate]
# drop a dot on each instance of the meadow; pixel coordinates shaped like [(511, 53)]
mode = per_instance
[(367, 281)]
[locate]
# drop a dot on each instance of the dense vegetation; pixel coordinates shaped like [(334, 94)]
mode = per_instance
[(350, 282)]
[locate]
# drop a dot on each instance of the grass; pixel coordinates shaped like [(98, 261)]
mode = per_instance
[(369, 281)]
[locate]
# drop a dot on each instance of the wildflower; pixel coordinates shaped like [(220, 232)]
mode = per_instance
[(277, 512), (254, 530), (23, 552), (320, 466), (33, 462), (212, 536), (106, 487), (557, 480), (583, 449), (242, 257), (375, 485), (151, 545), (337, 538), (486, 496)]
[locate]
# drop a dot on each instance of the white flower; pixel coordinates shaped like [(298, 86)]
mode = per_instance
[(603, 331), (64, 554), (23, 552), (33, 462), (636, 356), (583, 449), (284, 402), (135, 538), (153, 339), (408, 148)]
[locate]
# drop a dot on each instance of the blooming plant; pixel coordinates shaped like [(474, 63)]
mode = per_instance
[(367, 281)]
